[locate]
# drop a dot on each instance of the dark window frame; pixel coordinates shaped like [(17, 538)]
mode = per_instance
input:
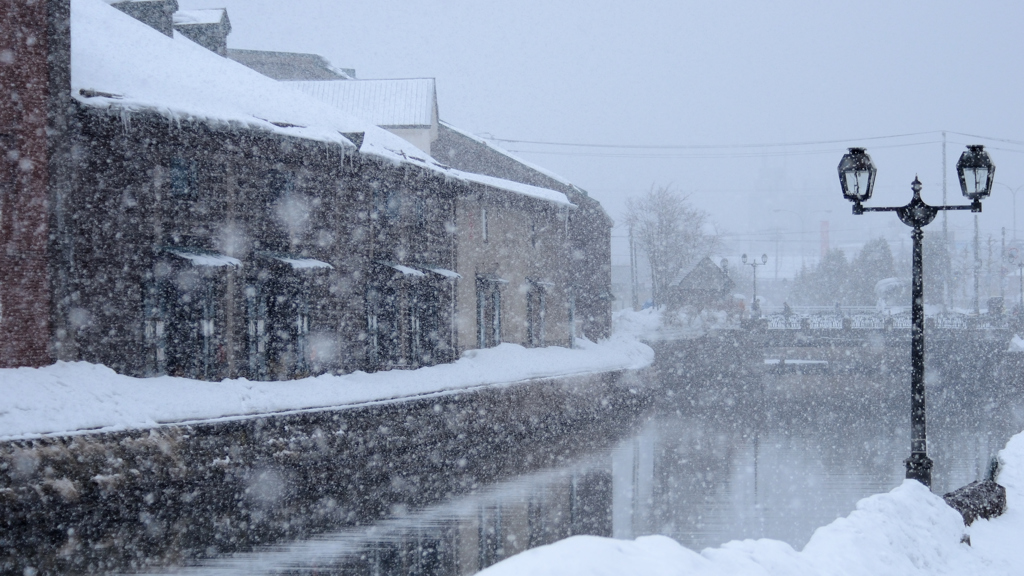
[(184, 178)]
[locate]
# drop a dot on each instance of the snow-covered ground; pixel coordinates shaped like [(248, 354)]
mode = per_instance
[(69, 397), (651, 324), (908, 531)]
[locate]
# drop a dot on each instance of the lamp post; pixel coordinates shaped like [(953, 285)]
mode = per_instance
[(857, 178), (754, 306)]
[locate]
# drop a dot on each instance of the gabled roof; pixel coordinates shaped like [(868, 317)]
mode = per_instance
[(498, 150), (400, 103), (706, 276)]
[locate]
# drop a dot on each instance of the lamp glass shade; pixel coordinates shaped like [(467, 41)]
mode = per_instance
[(857, 175), (764, 258), (744, 258), (976, 172)]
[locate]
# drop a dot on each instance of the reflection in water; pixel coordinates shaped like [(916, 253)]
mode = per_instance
[(458, 537), (775, 456)]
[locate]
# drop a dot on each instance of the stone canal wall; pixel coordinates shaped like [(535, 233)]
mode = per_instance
[(175, 493)]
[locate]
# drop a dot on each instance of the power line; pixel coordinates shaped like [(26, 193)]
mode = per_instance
[(711, 146), (751, 153), (1008, 141), (707, 155)]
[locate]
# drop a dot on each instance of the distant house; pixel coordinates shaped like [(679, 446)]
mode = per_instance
[(706, 285)]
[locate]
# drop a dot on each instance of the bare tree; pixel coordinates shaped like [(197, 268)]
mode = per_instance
[(670, 232)]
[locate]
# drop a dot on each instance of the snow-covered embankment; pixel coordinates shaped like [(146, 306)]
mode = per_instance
[(70, 397)]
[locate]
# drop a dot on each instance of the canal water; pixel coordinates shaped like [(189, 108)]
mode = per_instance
[(763, 454)]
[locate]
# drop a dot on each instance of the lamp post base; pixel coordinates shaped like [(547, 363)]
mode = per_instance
[(919, 467)]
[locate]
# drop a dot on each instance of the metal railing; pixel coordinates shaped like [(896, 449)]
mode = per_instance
[(867, 318)]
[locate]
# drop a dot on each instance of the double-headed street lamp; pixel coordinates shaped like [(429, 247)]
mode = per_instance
[(857, 177), (754, 306)]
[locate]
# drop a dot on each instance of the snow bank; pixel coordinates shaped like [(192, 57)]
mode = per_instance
[(908, 531), (68, 397), (653, 324), (643, 324)]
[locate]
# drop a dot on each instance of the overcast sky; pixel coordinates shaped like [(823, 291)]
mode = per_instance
[(679, 73)]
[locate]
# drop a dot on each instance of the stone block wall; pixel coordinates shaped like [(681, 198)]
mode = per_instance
[(178, 493)]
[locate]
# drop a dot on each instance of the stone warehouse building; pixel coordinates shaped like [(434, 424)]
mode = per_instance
[(166, 210), (408, 108)]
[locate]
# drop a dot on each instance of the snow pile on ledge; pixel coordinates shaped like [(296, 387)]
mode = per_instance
[(641, 324), (908, 531), (69, 397)]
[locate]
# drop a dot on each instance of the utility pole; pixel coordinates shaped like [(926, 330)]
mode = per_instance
[(947, 262), (777, 232), (988, 275), (632, 271)]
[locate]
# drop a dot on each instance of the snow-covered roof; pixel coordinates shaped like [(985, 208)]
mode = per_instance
[(508, 154), (404, 102), (126, 65), (517, 187), (121, 64), (207, 16)]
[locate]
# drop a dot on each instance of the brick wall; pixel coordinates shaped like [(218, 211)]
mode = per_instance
[(34, 81)]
